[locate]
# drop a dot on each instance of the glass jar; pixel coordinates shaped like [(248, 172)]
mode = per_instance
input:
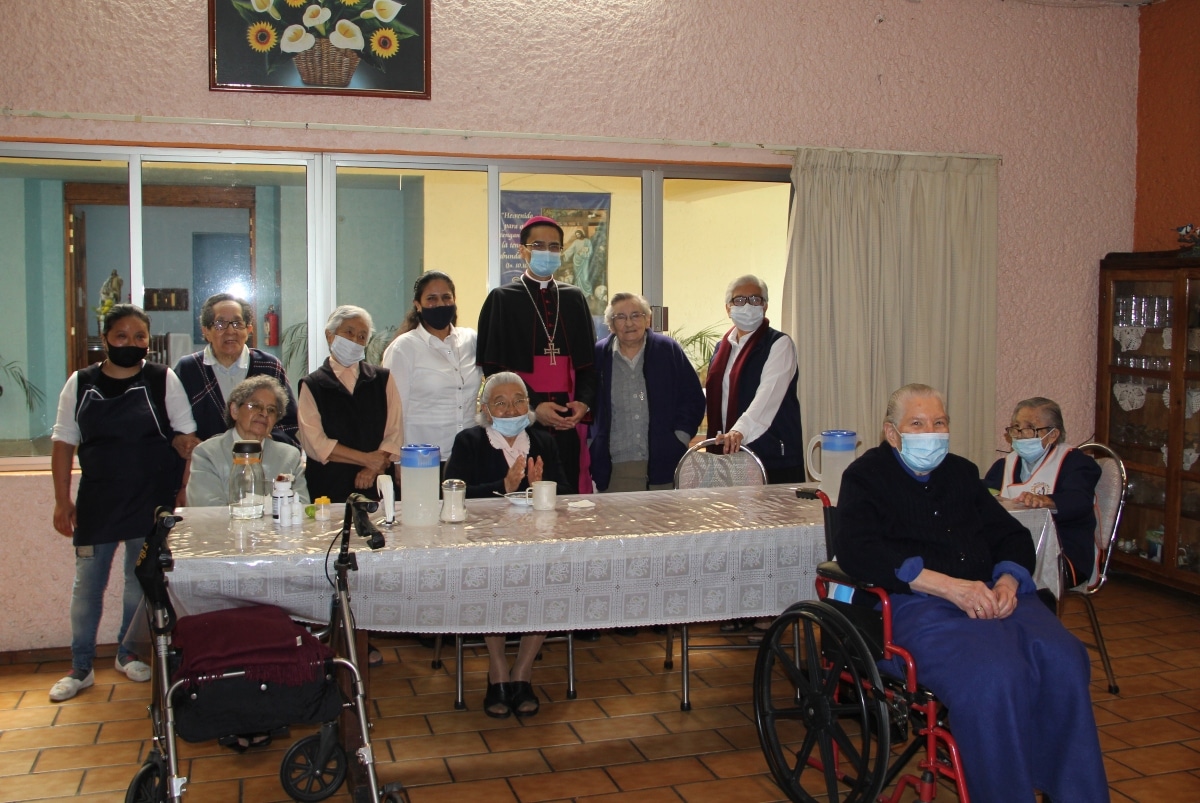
[(247, 484)]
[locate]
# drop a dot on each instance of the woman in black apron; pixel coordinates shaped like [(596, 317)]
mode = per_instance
[(133, 428)]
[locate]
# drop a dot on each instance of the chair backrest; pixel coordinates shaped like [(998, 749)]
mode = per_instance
[(1110, 499), (698, 468)]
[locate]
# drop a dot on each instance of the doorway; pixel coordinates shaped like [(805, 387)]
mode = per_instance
[(100, 205)]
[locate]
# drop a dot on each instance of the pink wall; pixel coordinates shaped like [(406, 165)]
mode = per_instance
[(1052, 90)]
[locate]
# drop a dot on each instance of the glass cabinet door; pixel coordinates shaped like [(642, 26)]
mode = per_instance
[(1139, 417)]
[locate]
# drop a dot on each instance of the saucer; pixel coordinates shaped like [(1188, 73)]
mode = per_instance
[(520, 498)]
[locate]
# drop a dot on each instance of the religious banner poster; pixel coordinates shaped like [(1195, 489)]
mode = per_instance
[(584, 218)]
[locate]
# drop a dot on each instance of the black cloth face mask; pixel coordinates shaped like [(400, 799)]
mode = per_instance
[(438, 317), (126, 356)]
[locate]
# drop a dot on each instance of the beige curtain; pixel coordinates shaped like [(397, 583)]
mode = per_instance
[(892, 279)]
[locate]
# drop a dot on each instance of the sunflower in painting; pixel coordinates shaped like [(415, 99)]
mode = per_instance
[(384, 43), (262, 37), (282, 29)]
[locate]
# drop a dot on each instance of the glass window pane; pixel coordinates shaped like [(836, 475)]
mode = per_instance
[(601, 217), (713, 232), (48, 307), (226, 228), (393, 225)]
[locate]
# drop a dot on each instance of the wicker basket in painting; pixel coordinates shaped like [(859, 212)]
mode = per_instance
[(326, 65)]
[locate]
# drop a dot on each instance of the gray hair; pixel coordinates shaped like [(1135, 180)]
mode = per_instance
[(482, 416), (641, 301), (344, 313), (1048, 408), (251, 385), (208, 316), (899, 400), (747, 279)]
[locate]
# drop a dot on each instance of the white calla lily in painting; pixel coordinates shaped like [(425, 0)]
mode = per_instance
[(347, 36), (296, 39), (384, 10), (315, 15)]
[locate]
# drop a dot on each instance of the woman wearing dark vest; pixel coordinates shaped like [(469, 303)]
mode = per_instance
[(133, 427), (751, 387), (350, 423)]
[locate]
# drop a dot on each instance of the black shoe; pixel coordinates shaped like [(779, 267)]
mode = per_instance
[(626, 631), (587, 635), (524, 701), (498, 701)]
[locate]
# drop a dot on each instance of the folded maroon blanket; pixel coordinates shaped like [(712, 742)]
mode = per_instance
[(260, 640)]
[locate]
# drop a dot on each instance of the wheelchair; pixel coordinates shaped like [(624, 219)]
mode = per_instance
[(828, 720)]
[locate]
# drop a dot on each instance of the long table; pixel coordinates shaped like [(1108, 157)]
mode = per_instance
[(600, 561)]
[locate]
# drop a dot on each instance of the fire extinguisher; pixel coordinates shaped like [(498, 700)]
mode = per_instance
[(271, 324)]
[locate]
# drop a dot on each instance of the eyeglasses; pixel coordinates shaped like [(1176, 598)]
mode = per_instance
[(1016, 432), (503, 405), (539, 245), (636, 317), (221, 326), (269, 410), (741, 301)]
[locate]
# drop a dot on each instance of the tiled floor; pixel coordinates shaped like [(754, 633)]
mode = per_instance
[(624, 739)]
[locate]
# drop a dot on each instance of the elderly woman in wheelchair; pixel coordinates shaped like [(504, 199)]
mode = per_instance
[(950, 569)]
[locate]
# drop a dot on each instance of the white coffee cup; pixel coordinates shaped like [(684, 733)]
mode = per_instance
[(545, 495)]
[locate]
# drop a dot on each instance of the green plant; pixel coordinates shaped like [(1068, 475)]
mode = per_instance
[(699, 346), (33, 394), (293, 350), (378, 342)]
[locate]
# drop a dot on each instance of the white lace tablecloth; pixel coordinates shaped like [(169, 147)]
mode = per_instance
[(660, 557), (1040, 524)]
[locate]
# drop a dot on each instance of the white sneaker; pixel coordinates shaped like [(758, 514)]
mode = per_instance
[(134, 669), (69, 686)]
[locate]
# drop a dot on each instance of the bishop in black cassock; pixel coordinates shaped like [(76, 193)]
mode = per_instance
[(554, 355)]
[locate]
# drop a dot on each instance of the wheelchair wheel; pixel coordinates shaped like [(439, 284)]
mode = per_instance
[(819, 707), (305, 776), (149, 784)]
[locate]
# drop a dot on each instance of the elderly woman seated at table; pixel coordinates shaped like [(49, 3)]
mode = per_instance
[(1043, 471), (503, 455), (255, 405)]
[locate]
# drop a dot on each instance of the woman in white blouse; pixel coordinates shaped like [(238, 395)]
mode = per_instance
[(433, 365)]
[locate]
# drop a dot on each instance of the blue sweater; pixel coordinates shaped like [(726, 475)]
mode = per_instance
[(673, 395)]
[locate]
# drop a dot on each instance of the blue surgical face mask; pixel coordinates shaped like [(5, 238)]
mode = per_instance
[(346, 351), (1031, 450), (747, 317), (510, 427), (544, 263), (924, 451)]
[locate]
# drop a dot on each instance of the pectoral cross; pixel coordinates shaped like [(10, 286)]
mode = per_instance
[(550, 351)]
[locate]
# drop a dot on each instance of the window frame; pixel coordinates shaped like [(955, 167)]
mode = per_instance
[(321, 203)]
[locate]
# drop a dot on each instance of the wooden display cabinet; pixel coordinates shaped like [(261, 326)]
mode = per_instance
[(1148, 408)]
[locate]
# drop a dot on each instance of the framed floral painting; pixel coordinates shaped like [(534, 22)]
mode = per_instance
[(344, 47)]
